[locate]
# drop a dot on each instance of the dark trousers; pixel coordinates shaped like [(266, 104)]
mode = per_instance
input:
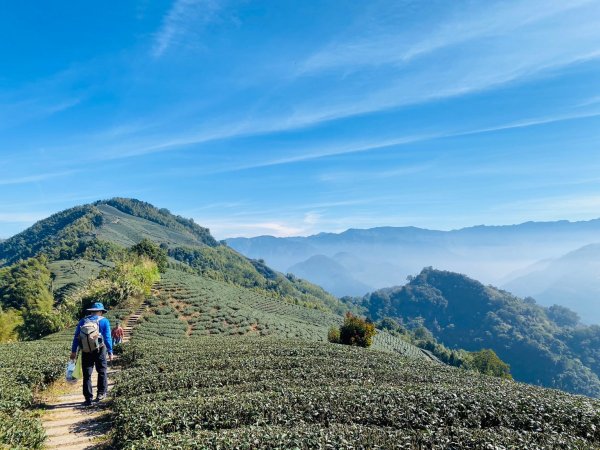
[(88, 362)]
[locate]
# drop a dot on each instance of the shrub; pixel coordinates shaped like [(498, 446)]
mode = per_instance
[(356, 331), (487, 362), (149, 249), (334, 335)]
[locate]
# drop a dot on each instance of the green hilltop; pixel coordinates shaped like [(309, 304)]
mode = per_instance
[(91, 232), (545, 346)]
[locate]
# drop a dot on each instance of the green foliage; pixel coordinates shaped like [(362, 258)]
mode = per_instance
[(540, 345), (356, 331), (60, 236), (223, 263), (562, 316), (10, 321), (26, 287), (487, 362), (152, 251), (333, 335), (130, 280), (191, 305), (243, 392), (26, 367)]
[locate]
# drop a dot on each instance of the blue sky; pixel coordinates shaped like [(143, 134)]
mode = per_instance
[(294, 117)]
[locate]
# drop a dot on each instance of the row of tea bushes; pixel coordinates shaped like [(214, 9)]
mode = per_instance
[(26, 368), (256, 392)]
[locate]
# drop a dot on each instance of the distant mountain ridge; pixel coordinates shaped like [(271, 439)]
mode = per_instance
[(331, 274), (572, 280), (385, 256)]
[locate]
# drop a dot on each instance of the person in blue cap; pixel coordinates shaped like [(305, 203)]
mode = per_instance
[(93, 338)]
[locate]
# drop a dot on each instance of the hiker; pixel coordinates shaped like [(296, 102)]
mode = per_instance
[(117, 334), (93, 337)]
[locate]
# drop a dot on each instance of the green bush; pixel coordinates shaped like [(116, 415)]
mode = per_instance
[(356, 331), (487, 362), (333, 335), (150, 250)]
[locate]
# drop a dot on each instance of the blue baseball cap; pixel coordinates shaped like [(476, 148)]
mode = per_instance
[(97, 307)]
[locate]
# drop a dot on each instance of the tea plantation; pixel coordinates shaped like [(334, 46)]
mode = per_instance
[(191, 305), (255, 373), (266, 392), (25, 368), (215, 365)]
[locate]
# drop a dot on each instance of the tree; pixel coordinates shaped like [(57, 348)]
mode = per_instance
[(157, 254), (27, 287), (10, 320), (487, 362), (356, 331), (333, 335), (562, 316)]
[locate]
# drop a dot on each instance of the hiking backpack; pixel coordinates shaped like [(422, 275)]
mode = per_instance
[(90, 338)]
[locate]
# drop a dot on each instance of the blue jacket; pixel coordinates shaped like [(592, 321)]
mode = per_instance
[(104, 326)]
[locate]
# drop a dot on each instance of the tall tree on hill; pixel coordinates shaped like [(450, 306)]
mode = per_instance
[(27, 287), (157, 254)]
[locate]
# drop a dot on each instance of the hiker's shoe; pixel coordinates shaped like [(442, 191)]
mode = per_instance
[(100, 397), (88, 402)]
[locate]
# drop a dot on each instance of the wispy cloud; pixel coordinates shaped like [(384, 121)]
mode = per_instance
[(21, 217), (35, 178), (356, 175), (339, 149), (574, 206), (225, 228), (315, 151), (185, 16), (478, 51), (382, 44)]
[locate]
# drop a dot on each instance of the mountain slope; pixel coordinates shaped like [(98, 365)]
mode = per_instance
[(389, 254), (573, 280), (463, 313), (330, 274), (90, 231)]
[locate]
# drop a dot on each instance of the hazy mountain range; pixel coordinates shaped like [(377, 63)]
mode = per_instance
[(554, 262)]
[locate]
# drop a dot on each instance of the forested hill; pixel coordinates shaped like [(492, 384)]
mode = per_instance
[(98, 230), (545, 346)]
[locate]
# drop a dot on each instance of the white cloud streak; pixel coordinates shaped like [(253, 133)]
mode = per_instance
[(27, 179), (184, 18), (383, 45)]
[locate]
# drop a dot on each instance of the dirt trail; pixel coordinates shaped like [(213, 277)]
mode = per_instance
[(68, 424)]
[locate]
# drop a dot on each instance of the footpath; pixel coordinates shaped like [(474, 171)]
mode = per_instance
[(71, 426)]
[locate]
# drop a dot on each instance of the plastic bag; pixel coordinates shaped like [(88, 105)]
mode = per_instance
[(78, 372), (70, 369)]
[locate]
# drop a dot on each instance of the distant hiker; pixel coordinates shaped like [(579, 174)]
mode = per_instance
[(92, 336), (117, 334)]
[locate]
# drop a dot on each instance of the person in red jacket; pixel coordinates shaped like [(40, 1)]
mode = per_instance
[(117, 334)]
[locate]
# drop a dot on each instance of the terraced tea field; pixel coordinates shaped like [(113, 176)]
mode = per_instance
[(190, 305), (253, 392), (126, 230), (26, 368), (69, 275)]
